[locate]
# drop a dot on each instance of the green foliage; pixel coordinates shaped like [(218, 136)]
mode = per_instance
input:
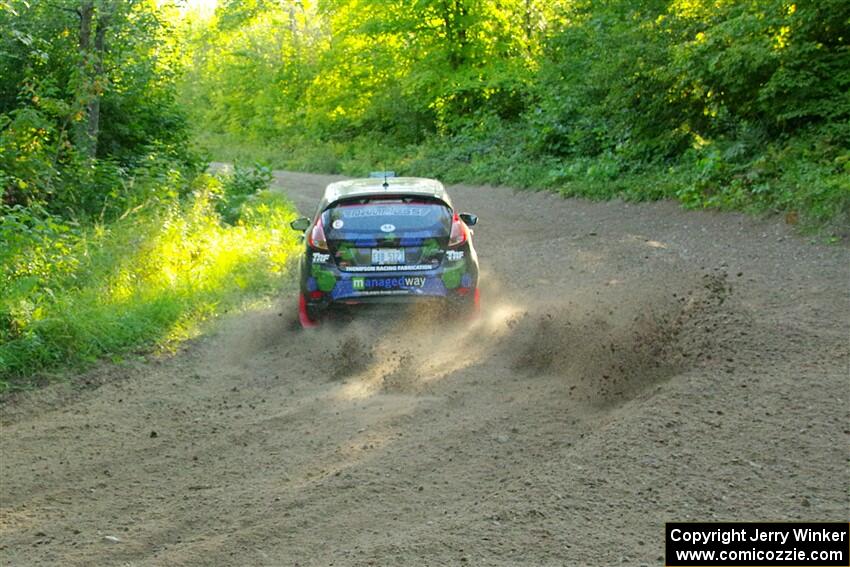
[(83, 108), (239, 187), (110, 240), (74, 294), (806, 174), (247, 181), (719, 104), (339, 68)]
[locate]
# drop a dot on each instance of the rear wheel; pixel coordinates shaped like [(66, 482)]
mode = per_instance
[(308, 315)]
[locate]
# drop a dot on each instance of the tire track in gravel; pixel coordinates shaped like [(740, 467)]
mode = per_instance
[(634, 364)]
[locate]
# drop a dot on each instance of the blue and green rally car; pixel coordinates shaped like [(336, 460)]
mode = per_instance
[(386, 239)]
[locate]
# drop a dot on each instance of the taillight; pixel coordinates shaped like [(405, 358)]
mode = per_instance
[(317, 239), (459, 232)]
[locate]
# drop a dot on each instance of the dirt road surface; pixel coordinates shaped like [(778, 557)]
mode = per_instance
[(634, 364)]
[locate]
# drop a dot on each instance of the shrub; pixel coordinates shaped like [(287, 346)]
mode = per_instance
[(73, 295)]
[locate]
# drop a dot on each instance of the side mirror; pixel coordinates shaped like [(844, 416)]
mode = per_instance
[(301, 224), (469, 219)]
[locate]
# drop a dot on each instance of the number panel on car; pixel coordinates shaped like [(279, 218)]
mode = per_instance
[(387, 256)]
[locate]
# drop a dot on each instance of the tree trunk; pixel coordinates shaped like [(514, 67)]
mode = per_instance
[(87, 130), (461, 13), (454, 22), (93, 126), (81, 131)]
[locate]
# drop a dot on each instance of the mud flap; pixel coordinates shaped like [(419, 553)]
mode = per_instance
[(304, 316)]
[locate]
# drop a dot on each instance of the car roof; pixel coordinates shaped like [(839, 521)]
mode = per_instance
[(374, 186)]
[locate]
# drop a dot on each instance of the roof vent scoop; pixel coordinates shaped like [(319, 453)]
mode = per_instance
[(385, 174)]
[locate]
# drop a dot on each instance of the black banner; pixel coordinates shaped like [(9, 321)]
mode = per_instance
[(763, 544)]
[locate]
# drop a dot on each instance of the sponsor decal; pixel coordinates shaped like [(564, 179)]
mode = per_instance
[(346, 252), (387, 284), (384, 211), (412, 268), (325, 279), (452, 276), (454, 255), (321, 258), (338, 224), (395, 292), (430, 248), (387, 227)]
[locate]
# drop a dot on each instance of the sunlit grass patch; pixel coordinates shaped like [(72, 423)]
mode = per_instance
[(142, 282)]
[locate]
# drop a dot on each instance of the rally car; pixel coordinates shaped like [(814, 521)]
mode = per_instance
[(386, 239)]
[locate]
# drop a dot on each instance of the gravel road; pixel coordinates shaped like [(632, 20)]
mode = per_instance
[(634, 364)]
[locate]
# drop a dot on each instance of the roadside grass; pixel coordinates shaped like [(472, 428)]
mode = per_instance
[(149, 280), (807, 179)]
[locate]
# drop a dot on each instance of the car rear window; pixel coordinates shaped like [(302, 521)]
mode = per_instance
[(348, 220)]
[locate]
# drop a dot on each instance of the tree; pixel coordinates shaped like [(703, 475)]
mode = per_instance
[(87, 85)]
